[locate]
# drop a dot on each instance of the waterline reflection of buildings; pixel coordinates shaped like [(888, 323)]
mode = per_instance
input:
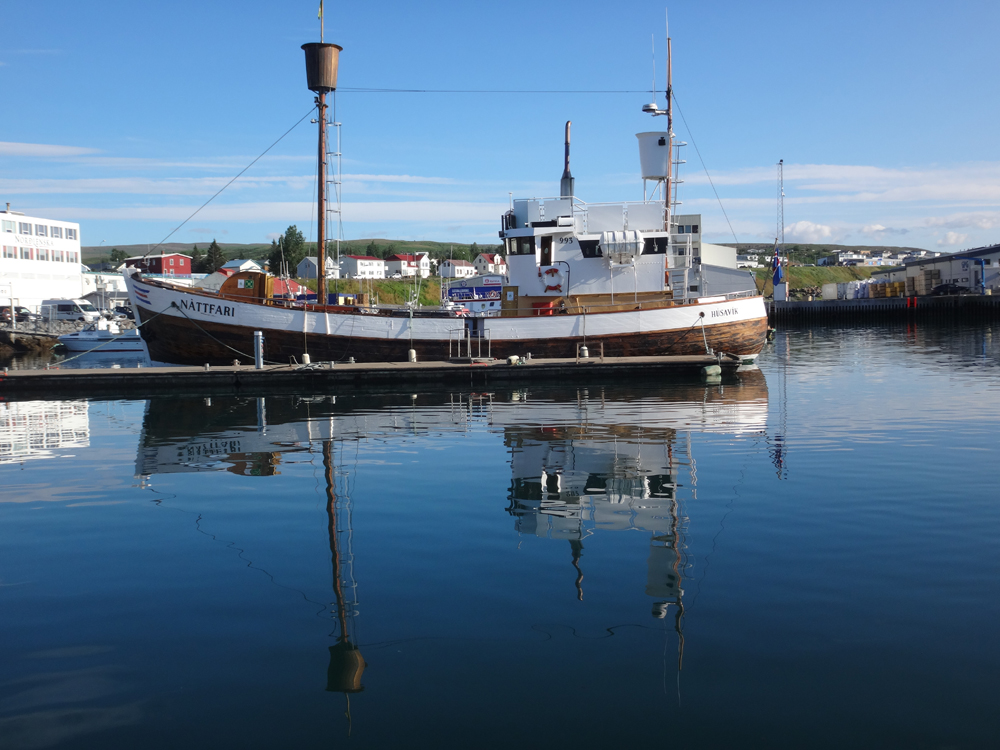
[(41, 429)]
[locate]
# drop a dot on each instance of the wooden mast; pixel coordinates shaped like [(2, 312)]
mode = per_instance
[(670, 141)]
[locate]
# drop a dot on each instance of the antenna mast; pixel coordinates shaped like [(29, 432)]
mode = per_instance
[(670, 129), (780, 234)]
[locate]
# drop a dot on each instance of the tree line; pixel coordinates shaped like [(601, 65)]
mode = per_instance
[(290, 248)]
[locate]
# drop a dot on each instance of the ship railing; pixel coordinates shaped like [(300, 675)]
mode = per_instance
[(458, 336)]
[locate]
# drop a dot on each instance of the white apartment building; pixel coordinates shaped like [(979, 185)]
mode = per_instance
[(408, 265), (39, 259), (361, 267), (487, 263), (456, 269)]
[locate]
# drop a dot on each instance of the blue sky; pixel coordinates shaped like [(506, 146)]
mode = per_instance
[(127, 116)]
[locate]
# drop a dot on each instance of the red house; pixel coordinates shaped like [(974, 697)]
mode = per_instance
[(171, 264)]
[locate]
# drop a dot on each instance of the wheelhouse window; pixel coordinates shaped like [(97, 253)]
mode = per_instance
[(520, 245), (55, 232), (590, 248)]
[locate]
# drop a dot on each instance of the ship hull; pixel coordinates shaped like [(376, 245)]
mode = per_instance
[(182, 326)]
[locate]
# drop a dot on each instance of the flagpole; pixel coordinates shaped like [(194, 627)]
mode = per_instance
[(321, 21)]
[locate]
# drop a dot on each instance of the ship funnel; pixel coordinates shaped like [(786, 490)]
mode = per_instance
[(567, 184), (322, 61), (654, 155)]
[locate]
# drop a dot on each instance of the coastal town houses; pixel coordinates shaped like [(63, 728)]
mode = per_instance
[(361, 267), (486, 263), (39, 259), (977, 270), (308, 267), (407, 265), (456, 269), (168, 264)]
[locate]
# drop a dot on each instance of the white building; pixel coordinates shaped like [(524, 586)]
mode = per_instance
[(487, 263), (39, 259), (408, 265), (240, 265), (977, 270), (362, 267), (103, 289), (456, 269), (308, 267)]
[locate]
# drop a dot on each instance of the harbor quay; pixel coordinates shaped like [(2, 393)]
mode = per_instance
[(963, 306), (321, 377)]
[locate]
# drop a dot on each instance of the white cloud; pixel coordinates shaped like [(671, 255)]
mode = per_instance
[(980, 220), (400, 178), (952, 238), (806, 231), (872, 229), (10, 148), (399, 211)]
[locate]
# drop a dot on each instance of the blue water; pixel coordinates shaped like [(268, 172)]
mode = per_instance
[(807, 558)]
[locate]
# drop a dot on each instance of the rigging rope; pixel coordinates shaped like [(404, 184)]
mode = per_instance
[(230, 182)]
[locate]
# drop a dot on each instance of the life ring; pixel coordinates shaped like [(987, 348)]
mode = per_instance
[(553, 280)]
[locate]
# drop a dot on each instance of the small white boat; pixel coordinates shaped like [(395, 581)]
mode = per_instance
[(105, 336)]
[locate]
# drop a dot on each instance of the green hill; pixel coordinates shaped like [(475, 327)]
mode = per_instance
[(381, 247)]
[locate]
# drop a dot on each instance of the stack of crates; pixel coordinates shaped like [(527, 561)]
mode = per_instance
[(877, 291), (911, 286), (927, 280), (897, 288)]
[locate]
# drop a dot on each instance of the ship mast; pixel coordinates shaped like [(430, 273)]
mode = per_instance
[(322, 61)]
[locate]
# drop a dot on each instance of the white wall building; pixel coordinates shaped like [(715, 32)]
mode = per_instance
[(362, 267), (456, 269), (308, 267), (39, 259), (408, 265), (238, 265), (487, 263)]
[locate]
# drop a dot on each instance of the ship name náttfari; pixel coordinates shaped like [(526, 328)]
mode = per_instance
[(208, 308)]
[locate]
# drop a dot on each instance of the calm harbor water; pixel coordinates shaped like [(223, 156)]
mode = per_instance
[(809, 557)]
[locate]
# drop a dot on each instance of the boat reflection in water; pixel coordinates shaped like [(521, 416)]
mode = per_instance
[(613, 466), (584, 461)]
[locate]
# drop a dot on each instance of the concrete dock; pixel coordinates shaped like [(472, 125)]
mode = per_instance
[(323, 378)]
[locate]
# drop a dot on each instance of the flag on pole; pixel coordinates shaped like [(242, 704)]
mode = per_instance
[(320, 15), (778, 274)]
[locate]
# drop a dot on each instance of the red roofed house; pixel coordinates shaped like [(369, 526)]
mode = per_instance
[(171, 264), (408, 265), (486, 263)]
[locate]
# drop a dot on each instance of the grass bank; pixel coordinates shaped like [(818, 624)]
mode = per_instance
[(800, 277), (387, 291)]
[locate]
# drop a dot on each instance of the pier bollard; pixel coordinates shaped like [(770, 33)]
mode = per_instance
[(412, 355), (207, 367), (306, 359), (258, 350)]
